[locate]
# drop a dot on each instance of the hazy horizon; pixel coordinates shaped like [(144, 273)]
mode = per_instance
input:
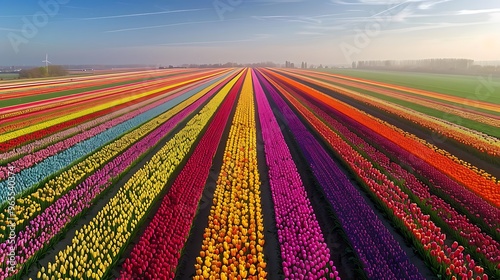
[(179, 32)]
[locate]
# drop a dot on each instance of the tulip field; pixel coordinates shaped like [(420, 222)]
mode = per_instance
[(247, 173)]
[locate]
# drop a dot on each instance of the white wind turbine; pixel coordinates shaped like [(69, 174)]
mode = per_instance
[(47, 63)]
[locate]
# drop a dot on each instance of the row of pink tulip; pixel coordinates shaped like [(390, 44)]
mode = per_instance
[(55, 217), (97, 246), (430, 236), (86, 131), (157, 253), (301, 240), (479, 240)]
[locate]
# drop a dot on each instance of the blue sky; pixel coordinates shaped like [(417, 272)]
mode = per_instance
[(211, 31)]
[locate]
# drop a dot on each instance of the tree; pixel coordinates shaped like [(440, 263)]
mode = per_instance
[(41, 72)]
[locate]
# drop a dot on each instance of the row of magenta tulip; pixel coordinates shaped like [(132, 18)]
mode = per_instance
[(33, 176), (456, 223), (36, 130), (157, 253), (304, 252), (381, 255), (73, 103), (481, 142), (30, 142), (392, 197), (482, 184), (98, 244), (27, 207), (92, 120), (55, 217), (84, 132), (232, 246)]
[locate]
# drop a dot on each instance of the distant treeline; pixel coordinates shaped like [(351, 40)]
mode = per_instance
[(231, 64), (42, 72), (438, 65)]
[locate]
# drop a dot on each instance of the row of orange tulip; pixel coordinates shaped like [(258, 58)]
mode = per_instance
[(27, 207), (482, 185), (99, 243), (410, 216), (481, 142), (426, 101)]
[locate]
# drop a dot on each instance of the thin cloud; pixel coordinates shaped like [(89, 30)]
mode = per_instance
[(10, 29), (391, 8), (165, 25), (430, 4), (300, 19), (440, 26), (144, 14), (160, 26)]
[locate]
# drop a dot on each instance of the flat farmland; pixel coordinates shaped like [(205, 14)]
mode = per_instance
[(250, 173)]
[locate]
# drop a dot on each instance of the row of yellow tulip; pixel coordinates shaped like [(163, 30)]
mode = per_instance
[(233, 241), (28, 207), (414, 96), (95, 246), (36, 127), (481, 142)]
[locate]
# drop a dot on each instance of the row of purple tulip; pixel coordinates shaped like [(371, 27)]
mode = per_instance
[(53, 219), (381, 255), (85, 131), (303, 248), (487, 246), (35, 175), (59, 136)]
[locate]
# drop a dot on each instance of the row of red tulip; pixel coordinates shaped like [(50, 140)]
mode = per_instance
[(301, 240), (482, 185), (436, 101), (65, 208), (99, 243), (157, 253), (411, 216), (487, 246), (35, 157), (481, 142)]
